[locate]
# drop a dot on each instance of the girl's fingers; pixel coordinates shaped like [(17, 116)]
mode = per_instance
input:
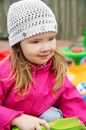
[(43, 122), (38, 127)]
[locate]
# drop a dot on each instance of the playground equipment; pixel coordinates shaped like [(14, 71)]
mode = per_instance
[(77, 70), (64, 124), (76, 53)]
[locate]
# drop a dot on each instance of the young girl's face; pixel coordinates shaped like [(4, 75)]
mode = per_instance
[(39, 48)]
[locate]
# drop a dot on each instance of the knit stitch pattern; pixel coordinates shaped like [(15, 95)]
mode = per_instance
[(27, 18)]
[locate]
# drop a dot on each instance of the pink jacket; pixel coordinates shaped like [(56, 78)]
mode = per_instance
[(39, 98)]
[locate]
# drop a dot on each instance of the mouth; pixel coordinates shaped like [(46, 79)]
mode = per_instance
[(45, 55)]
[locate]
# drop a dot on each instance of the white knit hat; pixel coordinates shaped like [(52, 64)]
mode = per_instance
[(27, 18)]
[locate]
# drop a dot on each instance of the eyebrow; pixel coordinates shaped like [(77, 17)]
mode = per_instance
[(38, 38)]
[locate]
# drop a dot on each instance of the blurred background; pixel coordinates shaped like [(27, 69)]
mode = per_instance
[(70, 15)]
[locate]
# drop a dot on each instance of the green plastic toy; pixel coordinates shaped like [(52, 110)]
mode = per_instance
[(76, 53), (64, 124)]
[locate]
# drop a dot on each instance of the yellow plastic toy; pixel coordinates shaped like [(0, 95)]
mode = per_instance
[(77, 75)]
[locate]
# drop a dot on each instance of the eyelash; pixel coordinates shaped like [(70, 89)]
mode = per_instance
[(35, 42), (51, 39)]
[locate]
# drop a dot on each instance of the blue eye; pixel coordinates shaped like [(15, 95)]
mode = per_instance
[(35, 42), (51, 39)]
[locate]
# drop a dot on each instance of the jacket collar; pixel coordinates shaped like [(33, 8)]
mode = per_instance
[(42, 68)]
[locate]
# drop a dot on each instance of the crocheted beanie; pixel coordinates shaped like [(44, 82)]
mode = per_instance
[(27, 18)]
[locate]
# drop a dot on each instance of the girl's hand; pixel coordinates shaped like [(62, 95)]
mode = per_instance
[(26, 122)]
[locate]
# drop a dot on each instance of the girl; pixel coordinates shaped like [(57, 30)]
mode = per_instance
[(33, 82)]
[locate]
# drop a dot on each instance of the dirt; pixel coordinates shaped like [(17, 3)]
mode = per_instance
[(4, 45)]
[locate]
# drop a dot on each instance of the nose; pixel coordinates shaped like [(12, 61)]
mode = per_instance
[(45, 47)]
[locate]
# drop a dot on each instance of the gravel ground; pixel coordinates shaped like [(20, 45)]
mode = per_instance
[(4, 45)]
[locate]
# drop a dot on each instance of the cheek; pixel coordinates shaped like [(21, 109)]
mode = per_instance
[(53, 46), (26, 51), (28, 54)]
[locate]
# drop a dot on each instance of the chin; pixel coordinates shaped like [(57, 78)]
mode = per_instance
[(44, 62)]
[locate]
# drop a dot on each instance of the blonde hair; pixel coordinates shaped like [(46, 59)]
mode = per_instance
[(23, 71)]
